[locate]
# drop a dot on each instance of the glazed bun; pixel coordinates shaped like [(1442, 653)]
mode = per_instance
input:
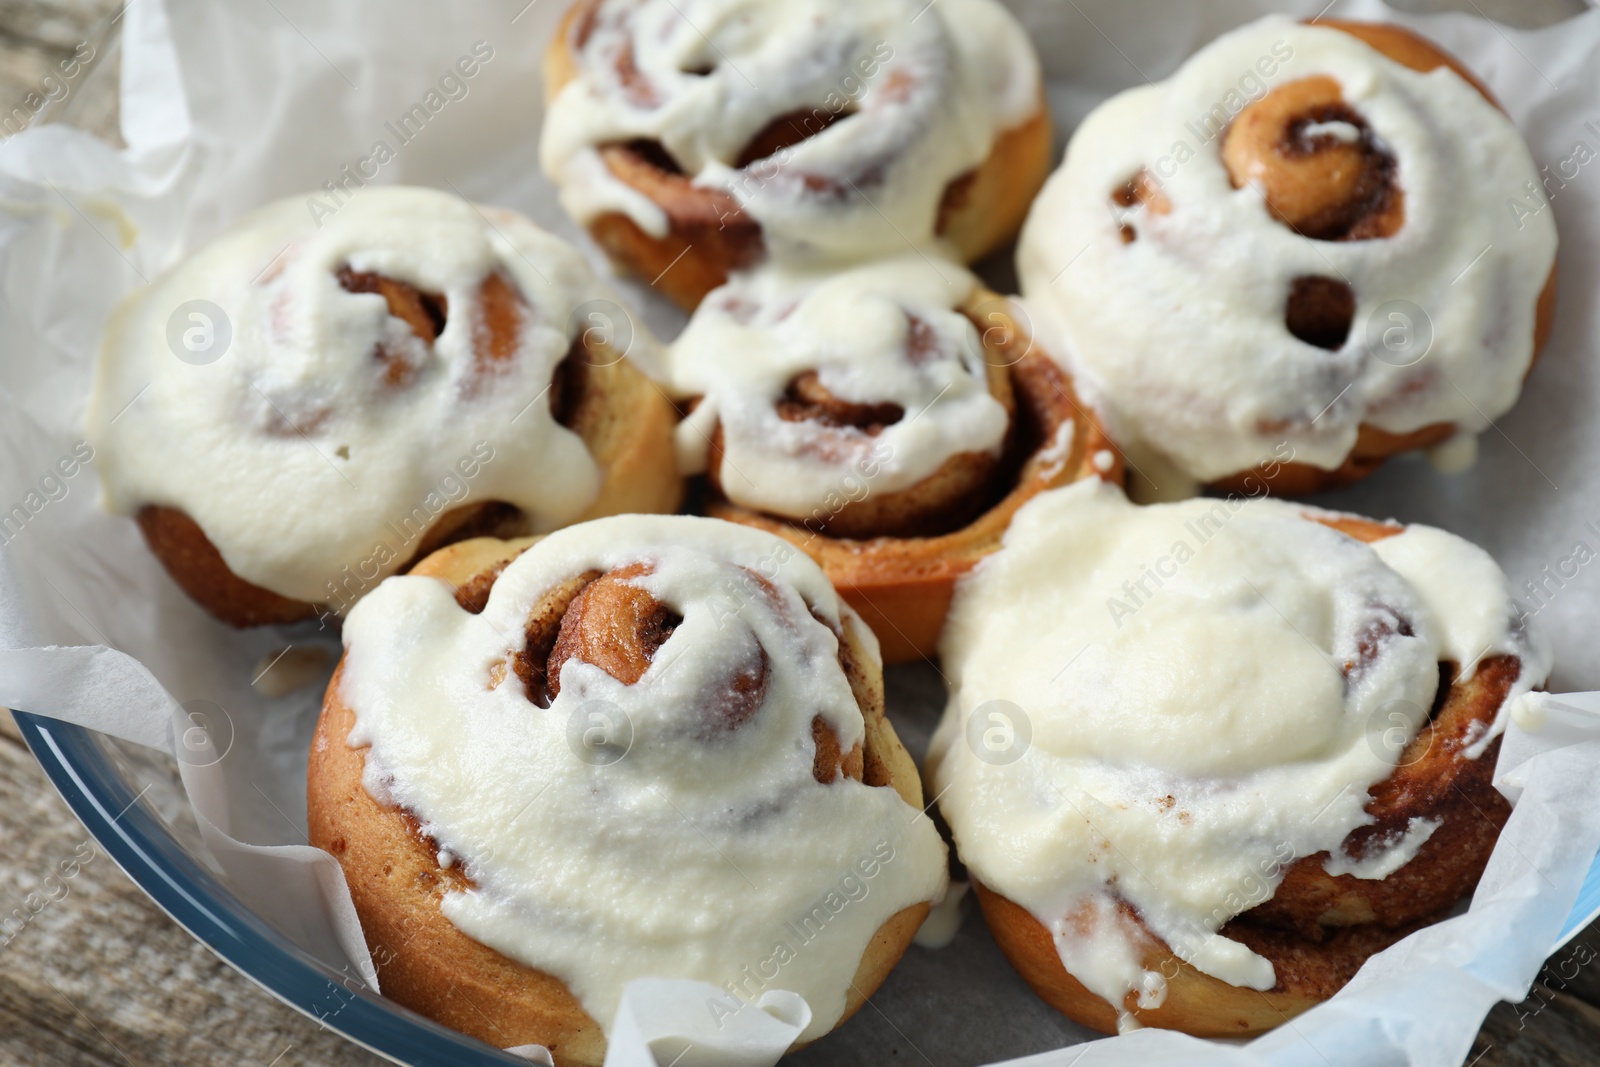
[(888, 419), (697, 139), (1296, 260), (676, 709), (1202, 760), (307, 405)]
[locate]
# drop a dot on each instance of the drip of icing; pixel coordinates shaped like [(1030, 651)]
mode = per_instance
[(1385, 858), (943, 923), (1206, 686), (1456, 455), (902, 105), (1342, 131), (302, 462), (696, 849), (882, 333), (1180, 333)]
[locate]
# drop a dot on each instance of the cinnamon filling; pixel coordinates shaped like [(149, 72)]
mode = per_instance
[(612, 623), (783, 132), (424, 312), (831, 761), (966, 486), (532, 663), (655, 154), (1320, 311), (638, 89), (473, 594), (496, 333), (569, 384), (808, 400), (786, 131), (1321, 170), (501, 313), (1142, 189), (1370, 641)]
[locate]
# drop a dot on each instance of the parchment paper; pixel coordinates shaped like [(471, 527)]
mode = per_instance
[(227, 105)]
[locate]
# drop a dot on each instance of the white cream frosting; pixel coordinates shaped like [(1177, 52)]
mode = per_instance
[(1382, 858), (301, 463), (928, 86), (1201, 711), (887, 332), (1180, 335), (702, 852)]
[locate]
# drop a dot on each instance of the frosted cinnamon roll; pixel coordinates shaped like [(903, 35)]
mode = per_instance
[(696, 138), (302, 407), (1296, 257), (1203, 759), (888, 419), (643, 747)]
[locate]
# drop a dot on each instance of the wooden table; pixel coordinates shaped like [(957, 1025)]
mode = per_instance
[(101, 978)]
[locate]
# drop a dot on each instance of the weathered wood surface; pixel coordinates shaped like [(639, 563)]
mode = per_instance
[(99, 977)]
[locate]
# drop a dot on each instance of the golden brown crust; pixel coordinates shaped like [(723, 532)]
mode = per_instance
[(626, 424), (195, 564), (902, 585), (396, 883), (1374, 446), (984, 208), (709, 235), (1408, 48), (1317, 929)]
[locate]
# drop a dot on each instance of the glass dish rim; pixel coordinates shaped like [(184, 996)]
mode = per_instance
[(136, 839)]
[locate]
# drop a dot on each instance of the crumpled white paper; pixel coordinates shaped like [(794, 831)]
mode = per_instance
[(228, 105)]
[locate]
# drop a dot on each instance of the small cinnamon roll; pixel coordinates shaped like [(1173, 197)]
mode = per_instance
[(305, 406), (1295, 258), (1203, 759), (642, 747), (888, 419), (694, 138)]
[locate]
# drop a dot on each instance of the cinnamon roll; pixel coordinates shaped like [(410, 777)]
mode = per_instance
[(642, 747), (1203, 759), (694, 138), (887, 419), (1296, 257), (305, 406)]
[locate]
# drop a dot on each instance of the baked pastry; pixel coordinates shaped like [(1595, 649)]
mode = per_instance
[(694, 138), (307, 405), (647, 746), (1201, 760), (888, 419), (1294, 258)]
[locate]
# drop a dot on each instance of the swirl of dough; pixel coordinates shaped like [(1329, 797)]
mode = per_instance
[(1296, 258), (650, 746), (408, 372)]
